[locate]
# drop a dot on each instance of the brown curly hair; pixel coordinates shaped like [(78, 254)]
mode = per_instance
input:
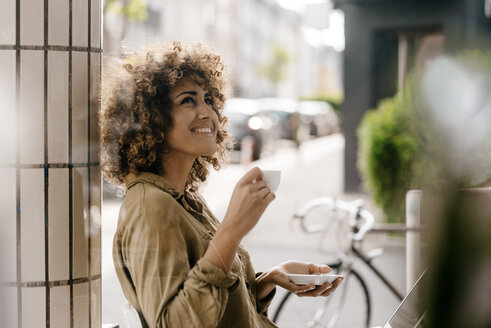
[(136, 109)]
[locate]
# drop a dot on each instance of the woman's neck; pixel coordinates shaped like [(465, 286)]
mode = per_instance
[(176, 171)]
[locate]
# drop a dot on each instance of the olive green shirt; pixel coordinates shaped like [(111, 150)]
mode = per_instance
[(158, 251)]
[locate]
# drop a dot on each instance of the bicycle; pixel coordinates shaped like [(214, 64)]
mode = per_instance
[(320, 312)]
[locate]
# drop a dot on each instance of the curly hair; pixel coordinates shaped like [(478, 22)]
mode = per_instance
[(136, 108)]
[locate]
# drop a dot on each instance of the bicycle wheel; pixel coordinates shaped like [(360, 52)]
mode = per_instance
[(347, 307)]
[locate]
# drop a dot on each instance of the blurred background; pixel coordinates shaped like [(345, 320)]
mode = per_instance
[(330, 93), (354, 99)]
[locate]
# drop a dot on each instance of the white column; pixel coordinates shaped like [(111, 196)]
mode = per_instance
[(413, 238), (50, 200)]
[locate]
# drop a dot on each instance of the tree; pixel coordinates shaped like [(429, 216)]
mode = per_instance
[(275, 69)]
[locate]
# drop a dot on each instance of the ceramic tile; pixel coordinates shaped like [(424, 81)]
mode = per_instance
[(95, 251), (96, 187), (34, 307), (32, 22), (96, 304), (80, 224), (7, 104), (81, 305), (95, 18), (32, 224), (59, 307), (95, 76), (8, 225), (8, 296), (31, 107), (79, 108), (7, 22), (58, 28), (59, 233), (80, 27), (58, 107), (95, 225)]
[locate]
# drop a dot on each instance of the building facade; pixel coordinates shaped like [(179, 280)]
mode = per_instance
[(245, 33)]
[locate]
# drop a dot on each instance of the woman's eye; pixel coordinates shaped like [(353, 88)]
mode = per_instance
[(187, 100), (209, 101)]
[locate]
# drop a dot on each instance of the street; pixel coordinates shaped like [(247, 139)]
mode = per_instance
[(312, 170)]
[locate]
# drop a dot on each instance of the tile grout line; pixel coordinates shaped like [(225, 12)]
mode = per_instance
[(70, 168), (17, 165), (43, 283), (50, 48), (89, 199), (46, 170), (51, 165)]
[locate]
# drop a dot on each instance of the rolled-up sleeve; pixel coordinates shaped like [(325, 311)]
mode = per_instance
[(263, 304), (170, 292)]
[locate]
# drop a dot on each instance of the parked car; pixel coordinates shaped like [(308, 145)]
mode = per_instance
[(248, 126), (320, 116), (284, 113)]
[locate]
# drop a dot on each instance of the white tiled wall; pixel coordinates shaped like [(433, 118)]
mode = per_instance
[(59, 218), (59, 307), (31, 22), (95, 70), (95, 295), (44, 236), (80, 222), (96, 10), (31, 107), (80, 23), (7, 105), (33, 307), (7, 22), (81, 303), (8, 297), (80, 107), (58, 29), (32, 224), (8, 240), (58, 107)]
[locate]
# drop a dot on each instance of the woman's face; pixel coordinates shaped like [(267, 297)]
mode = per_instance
[(195, 123)]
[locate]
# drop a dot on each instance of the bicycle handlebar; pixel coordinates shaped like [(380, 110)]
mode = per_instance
[(354, 208)]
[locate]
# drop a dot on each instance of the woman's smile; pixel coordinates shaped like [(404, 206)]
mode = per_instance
[(204, 130)]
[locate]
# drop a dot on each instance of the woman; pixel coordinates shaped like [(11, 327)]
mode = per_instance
[(162, 128)]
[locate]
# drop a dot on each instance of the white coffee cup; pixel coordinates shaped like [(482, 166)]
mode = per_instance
[(272, 178)]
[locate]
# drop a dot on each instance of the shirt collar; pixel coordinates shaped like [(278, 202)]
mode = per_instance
[(187, 199)]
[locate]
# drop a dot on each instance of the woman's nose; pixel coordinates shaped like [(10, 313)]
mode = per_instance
[(204, 110)]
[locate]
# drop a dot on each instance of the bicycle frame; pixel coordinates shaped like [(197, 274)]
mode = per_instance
[(382, 228), (368, 262), (361, 222)]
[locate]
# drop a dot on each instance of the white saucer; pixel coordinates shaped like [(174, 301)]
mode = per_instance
[(316, 279)]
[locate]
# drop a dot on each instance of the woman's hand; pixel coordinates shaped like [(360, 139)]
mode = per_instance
[(277, 276), (249, 200)]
